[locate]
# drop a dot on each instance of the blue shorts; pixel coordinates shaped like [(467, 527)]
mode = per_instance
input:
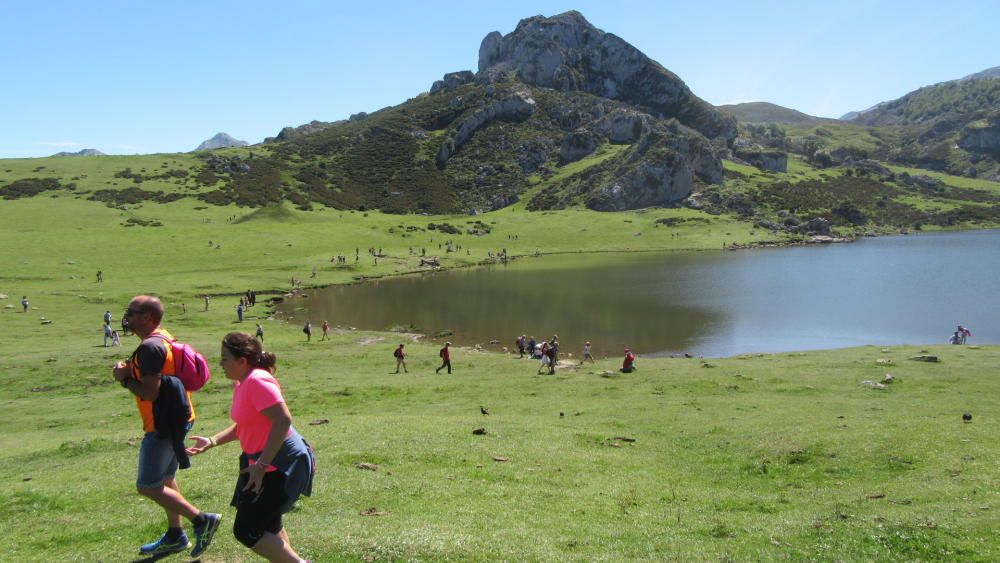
[(157, 461)]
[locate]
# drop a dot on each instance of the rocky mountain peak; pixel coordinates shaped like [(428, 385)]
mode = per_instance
[(84, 152), (220, 141), (567, 53)]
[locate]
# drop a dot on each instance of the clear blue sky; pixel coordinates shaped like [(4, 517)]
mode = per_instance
[(156, 76)]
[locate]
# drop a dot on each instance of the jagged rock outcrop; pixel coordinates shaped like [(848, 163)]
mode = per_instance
[(221, 141), (84, 152), (661, 169), (622, 126), (518, 106), (983, 137), (567, 53), (453, 80), (577, 145), (772, 160)]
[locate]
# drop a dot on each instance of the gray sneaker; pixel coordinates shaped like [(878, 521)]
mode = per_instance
[(203, 534)]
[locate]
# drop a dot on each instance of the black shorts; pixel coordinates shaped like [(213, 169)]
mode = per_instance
[(257, 514)]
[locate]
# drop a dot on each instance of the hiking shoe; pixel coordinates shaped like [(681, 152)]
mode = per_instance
[(164, 546), (203, 534)]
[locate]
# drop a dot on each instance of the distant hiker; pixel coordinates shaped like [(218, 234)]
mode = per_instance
[(955, 338), (445, 354), (545, 357), (587, 354), (100, 276), (520, 342), (184, 308), (400, 356), (115, 339), (206, 301), (164, 406), (107, 334), (260, 332), (532, 345), (24, 303), (239, 311), (125, 327), (553, 354), (964, 333), (107, 317), (326, 331), (276, 464), (308, 330), (313, 272), (628, 364)]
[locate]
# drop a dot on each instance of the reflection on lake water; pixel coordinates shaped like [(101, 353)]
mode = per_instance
[(883, 291)]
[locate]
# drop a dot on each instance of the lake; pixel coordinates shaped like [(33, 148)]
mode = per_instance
[(883, 291)]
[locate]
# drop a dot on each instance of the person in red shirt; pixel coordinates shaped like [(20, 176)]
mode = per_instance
[(445, 358), (276, 465), (628, 364), (400, 359)]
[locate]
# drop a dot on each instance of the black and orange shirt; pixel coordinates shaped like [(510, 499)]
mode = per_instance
[(153, 358)]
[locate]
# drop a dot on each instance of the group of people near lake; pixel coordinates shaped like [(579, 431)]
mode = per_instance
[(276, 464), (548, 353)]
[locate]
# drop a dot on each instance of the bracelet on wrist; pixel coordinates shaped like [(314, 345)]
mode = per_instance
[(212, 442)]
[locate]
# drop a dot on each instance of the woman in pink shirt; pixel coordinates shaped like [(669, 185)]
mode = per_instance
[(276, 465)]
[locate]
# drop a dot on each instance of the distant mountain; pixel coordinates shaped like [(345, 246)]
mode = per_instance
[(221, 141), (764, 112), (988, 73), (84, 152), (554, 91)]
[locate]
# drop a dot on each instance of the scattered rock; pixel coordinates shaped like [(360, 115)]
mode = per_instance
[(873, 385), (888, 378), (479, 432), (925, 358), (319, 421), (367, 466), (883, 362), (967, 417), (372, 512), (624, 439), (499, 459), (875, 496), (28, 478)]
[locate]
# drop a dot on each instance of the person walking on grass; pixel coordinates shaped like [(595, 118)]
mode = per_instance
[(107, 317), (400, 359), (276, 464), (308, 330), (520, 342), (148, 375), (239, 311), (326, 330), (207, 299), (545, 357), (107, 333), (553, 354), (587, 355), (24, 303), (260, 332), (115, 339), (445, 354)]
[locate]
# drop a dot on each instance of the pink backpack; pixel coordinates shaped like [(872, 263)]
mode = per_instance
[(189, 365)]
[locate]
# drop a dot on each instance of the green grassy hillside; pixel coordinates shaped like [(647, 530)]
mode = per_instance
[(783, 456)]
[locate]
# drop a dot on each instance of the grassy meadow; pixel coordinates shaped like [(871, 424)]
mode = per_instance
[(771, 457)]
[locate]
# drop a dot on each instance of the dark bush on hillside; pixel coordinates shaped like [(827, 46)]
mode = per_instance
[(132, 196), (444, 228), (30, 187)]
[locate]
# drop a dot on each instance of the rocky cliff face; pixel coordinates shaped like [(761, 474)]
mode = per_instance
[(220, 141), (567, 53)]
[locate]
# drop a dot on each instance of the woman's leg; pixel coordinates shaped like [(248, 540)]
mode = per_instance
[(274, 548)]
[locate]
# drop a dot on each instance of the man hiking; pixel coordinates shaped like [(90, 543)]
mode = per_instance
[(445, 354), (144, 375), (400, 359)]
